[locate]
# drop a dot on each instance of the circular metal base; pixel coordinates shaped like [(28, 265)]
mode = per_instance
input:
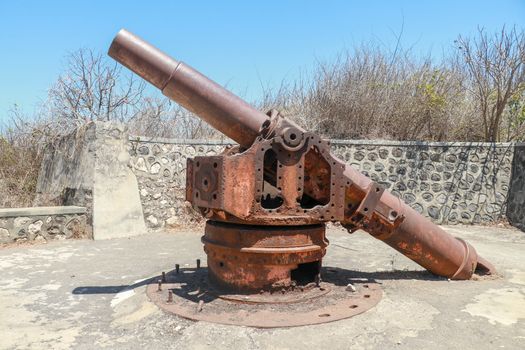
[(251, 258), (192, 297)]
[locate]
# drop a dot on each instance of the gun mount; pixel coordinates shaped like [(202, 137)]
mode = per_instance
[(268, 199)]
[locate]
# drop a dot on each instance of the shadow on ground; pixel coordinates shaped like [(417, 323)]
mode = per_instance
[(191, 279)]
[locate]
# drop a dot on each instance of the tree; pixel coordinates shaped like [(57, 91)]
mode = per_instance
[(92, 88), (496, 68)]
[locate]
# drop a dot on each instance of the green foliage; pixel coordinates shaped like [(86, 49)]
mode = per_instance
[(435, 100)]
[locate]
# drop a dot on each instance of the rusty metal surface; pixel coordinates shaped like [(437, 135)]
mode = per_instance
[(178, 81), (284, 176), (300, 294), (420, 240), (188, 294), (263, 258), (242, 188)]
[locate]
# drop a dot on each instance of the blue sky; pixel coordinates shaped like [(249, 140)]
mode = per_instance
[(240, 44)]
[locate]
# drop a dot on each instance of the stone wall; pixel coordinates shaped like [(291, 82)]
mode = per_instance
[(125, 181), (516, 199), (160, 167), (43, 223), (447, 182)]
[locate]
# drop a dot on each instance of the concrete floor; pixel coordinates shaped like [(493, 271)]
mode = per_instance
[(87, 294)]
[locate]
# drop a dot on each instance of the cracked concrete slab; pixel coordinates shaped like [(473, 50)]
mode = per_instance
[(91, 294)]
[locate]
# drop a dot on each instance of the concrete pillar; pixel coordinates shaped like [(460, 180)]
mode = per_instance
[(90, 168)]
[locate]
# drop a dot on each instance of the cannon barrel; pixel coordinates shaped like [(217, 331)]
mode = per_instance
[(415, 237), (211, 102)]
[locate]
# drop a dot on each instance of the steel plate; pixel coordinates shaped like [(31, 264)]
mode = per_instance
[(195, 299)]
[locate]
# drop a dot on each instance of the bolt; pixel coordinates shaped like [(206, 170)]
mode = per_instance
[(177, 268), (201, 304), (159, 286), (317, 280), (198, 263), (283, 291), (350, 288), (170, 296), (163, 277)]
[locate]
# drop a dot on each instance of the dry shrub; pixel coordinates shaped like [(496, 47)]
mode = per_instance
[(368, 93), (477, 93), (160, 117), (17, 175), (371, 95), (20, 158)]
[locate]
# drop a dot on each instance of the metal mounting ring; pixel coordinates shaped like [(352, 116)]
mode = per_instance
[(291, 139)]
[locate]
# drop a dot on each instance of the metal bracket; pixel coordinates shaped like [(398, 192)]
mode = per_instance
[(368, 204)]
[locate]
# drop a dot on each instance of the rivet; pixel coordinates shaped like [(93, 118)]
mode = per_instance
[(350, 288)]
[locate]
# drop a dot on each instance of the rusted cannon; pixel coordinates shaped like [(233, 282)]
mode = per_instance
[(267, 200)]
